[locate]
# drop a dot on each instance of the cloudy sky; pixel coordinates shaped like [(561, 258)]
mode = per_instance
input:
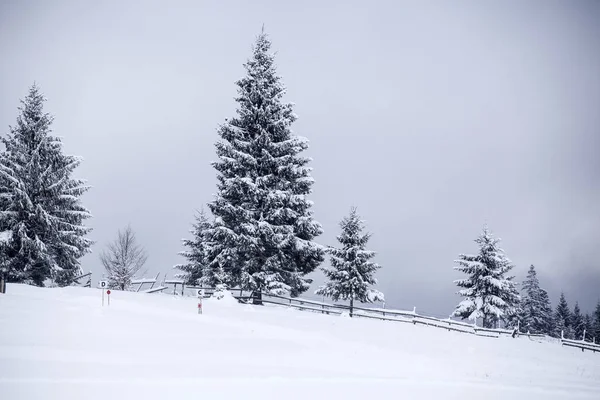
[(431, 118)]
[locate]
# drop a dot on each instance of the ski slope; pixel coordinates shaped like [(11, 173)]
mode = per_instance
[(62, 344)]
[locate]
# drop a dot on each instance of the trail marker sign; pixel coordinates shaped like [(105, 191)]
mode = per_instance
[(103, 286)]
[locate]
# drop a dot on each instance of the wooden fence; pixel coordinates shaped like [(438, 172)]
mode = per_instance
[(382, 314), (580, 344), (379, 313), (81, 281)]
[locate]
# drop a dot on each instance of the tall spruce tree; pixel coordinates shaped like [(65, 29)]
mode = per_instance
[(577, 322), (536, 311), (489, 294), (264, 228), (42, 215), (196, 251), (562, 319), (351, 272)]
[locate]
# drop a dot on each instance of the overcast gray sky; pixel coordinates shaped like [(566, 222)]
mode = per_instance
[(431, 117)]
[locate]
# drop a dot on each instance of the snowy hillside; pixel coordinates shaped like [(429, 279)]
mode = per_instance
[(62, 344)]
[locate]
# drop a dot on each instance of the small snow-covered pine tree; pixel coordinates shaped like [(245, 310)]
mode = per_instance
[(41, 213), (578, 322), (263, 229), (196, 252), (562, 319), (351, 273), (489, 294), (536, 311)]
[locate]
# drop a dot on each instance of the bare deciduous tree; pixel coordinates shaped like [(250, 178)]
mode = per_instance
[(123, 259)]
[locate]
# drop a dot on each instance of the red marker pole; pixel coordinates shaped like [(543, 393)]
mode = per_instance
[(200, 296), (108, 296)]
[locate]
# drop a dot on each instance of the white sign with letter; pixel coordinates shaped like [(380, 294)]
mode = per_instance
[(103, 286)]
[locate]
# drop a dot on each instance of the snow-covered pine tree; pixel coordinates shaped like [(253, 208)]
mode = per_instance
[(578, 322), (562, 318), (596, 323), (489, 294), (547, 313), (217, 278), (264, 228), (351, 272), (513, 318), (536, 311), (196, 251), (41, 210), (213, 273), (588, 324)]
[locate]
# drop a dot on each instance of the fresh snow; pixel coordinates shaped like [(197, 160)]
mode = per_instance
[(5, 236), (60, 343)]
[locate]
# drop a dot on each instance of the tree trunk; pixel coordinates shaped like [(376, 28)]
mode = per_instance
[(351, 306)]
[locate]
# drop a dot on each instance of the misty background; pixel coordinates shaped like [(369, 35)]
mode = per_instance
[(432, 118)]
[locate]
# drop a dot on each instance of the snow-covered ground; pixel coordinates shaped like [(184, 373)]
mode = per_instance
[(62, 344)]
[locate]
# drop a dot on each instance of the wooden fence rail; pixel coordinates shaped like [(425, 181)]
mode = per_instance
[(580, 344), (360, 312), (375, 313)]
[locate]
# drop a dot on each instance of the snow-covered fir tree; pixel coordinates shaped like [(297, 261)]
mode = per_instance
[(596, 324), (547, 312), (263, 229), (213, 273), (489, 293), (351, 273), (562, 319), (123, 259), (216, 278), (196, 251), (41, 213), (536, 311), (578, 322), (588, 324)]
